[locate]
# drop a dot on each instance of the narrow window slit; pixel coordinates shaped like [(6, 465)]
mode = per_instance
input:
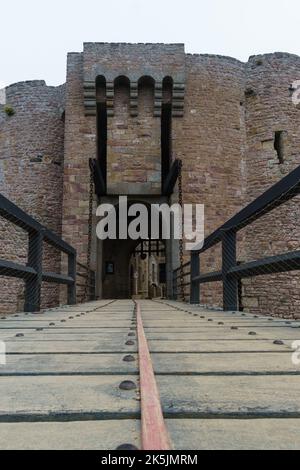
[(279, 146)]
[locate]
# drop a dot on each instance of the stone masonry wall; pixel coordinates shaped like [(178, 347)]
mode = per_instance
[(210, 141), (269, 108), (133, 147), (80, 145), (31, 162)]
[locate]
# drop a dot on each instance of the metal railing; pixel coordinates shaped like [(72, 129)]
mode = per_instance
[(32, 272), (232, 271)]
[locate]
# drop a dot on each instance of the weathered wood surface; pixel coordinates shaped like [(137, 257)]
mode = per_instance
[(60, 386)]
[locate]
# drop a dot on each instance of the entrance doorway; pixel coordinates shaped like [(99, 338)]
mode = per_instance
[(136, 268)]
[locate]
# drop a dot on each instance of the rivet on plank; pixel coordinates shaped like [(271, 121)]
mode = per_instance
[(127, 385), (234, 328), (128, 358), (39, 329), (252, 333), (63, 321), (127, 447), (278, 342), (129, 343), (210, 319), (3, 318), (19, 335), (51, 324), (71, 318), (131, 334), (220, 323)]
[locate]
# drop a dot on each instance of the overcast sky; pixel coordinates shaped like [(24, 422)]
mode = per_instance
[(35, 35)]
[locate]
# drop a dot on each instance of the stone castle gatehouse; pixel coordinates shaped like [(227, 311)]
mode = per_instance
[(133, 109)]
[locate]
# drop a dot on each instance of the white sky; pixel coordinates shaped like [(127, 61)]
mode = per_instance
[(35, 35)]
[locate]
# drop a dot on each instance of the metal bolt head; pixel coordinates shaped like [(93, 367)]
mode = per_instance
[(127, 447), (51, 324), (128, 358), (252, 333), (278, 342), (127, 385), (129, 343), (220, 323), (234, 328), (71, 318), (19, 335), (63, 321), (210, 319)]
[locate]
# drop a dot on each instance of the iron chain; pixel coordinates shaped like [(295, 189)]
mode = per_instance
[(90, 227), (181, 256)]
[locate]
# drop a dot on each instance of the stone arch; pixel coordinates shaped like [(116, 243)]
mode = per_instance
[(121, 96), (146, 91), (167, 89), (100, 89)]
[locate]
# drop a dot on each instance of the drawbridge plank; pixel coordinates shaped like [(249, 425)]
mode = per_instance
[(72, 370)]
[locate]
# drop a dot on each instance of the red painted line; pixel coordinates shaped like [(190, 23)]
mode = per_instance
[(154, 432)]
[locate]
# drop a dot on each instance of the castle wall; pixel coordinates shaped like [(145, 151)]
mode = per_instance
[(80, 145), (269, 108), (134, 110), (210, 141), (31, 163), (133, 147)]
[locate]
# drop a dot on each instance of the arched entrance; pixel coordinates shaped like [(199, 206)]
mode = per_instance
[(135, 268)]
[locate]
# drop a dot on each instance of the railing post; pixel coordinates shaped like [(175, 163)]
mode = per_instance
[(72, 273), (35, 259), (92, 286), (174, 285), (195, 271), (230, 284)]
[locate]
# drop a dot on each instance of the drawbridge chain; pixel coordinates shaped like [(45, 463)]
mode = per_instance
[(181, 255)]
